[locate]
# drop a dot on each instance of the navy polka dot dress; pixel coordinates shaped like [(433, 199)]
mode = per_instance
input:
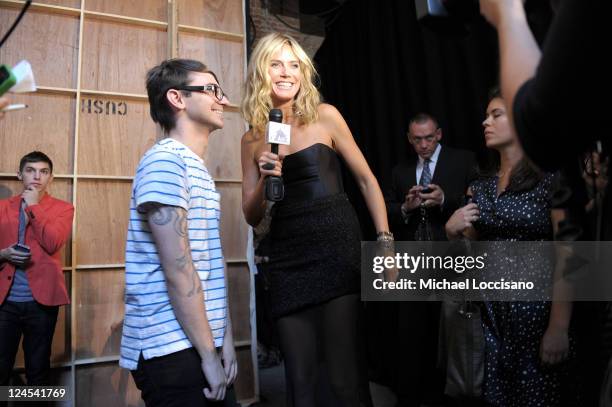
[(514, 375)]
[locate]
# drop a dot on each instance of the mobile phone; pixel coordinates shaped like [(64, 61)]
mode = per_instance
[(21, 248), (426, 190)]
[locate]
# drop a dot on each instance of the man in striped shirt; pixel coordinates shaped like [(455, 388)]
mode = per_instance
[(177, 336)]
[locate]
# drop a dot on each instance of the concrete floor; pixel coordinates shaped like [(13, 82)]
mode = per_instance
[(272, 390)]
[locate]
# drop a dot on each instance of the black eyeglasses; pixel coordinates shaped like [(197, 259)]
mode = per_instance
[(211, 88)]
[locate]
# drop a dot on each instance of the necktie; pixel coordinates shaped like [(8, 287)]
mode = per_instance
[(22, 229), (426, 175), (423, 232), (22, 225)]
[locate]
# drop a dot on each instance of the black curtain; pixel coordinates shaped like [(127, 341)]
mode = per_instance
[(379, 66)]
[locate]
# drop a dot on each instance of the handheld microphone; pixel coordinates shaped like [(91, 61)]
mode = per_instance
[(276, 133)]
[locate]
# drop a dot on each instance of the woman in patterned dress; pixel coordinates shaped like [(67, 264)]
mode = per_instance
[(525, 341)]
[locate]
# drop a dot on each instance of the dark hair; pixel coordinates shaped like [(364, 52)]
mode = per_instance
[(172, 73), (422, 118), (35, 157), (494, 93), (524, 176)]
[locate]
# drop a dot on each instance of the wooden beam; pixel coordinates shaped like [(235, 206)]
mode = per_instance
[(133, 96), (67, 11), (80, 267), (220, 35), (49, 90), (172, 29), (159, 25)]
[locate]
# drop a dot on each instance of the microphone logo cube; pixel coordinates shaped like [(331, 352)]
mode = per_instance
[(278, 133)]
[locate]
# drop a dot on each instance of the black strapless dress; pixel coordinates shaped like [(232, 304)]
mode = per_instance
[(314, 241)]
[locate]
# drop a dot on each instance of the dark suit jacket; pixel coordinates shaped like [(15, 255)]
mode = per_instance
[(454, 171)]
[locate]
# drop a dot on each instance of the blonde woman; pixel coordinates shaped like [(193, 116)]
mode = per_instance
[(314, 241)]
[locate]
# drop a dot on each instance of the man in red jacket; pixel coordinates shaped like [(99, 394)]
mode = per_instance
[(33, 228)]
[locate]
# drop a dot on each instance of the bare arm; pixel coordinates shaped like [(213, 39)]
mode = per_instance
[(518, 51), (230, 363), (348, 149), (555, 343), (169, 227)]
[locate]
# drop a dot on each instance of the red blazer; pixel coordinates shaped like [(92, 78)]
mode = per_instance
[(48, 229)]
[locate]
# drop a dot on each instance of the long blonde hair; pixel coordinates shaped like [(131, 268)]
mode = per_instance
[(257, 102)]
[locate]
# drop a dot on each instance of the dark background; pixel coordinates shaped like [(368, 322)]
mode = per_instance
[(379, 66)]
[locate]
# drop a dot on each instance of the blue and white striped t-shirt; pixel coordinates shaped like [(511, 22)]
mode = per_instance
[(170, 174)]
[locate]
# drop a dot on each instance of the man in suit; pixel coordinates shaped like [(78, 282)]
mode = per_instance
[(416, 213), (424, 194)]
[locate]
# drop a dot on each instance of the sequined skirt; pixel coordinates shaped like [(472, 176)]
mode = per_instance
[(313, 250)]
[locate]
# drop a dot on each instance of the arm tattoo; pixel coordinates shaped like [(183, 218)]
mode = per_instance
[(195, 287), (180, 224), (182, 262), (162, 215)]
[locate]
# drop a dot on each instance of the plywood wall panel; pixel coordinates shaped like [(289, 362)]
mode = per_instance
[(239, 300), (99, 299), (106, 384), (149, 10), (102, 219), (63, 3), (234, 229), (114, 134), (49, 42), (225, 58), (223, 153), (221, 15), (246, 377), (117, 56), (46, 125)]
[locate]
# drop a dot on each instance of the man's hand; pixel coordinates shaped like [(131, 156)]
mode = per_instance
[(31, 196), (213, 371), (412, 199), (434, 198), (229, 359), (15, 257), (496, 11)]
